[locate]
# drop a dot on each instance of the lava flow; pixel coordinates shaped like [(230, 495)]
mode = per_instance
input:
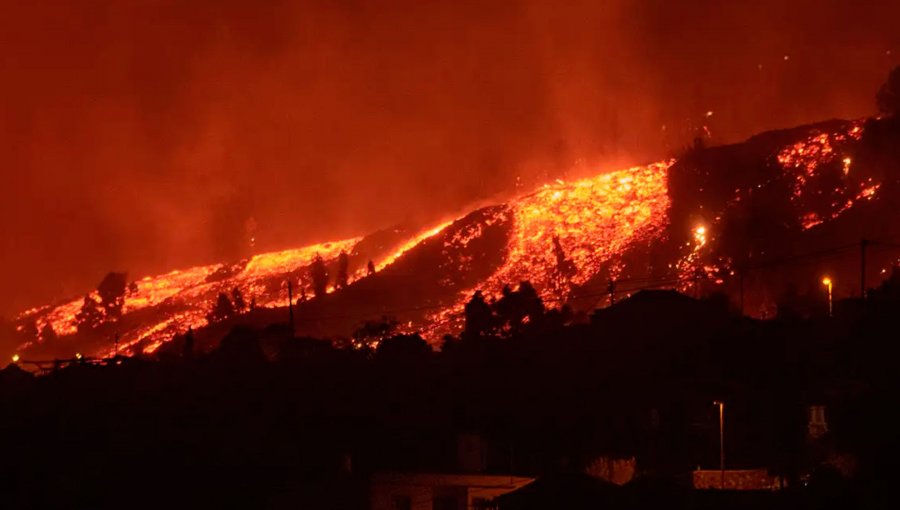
[(564, 233), (561, 238), (587, 223), (808, 159)]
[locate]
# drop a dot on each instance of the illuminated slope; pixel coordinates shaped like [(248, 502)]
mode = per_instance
[(807, 160), (173, 302), (561, 238), (593, 221), (563, 234)]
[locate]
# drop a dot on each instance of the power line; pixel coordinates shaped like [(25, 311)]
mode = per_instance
[(795, 258)]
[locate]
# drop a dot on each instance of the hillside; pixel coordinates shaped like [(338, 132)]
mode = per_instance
[(696, 224)]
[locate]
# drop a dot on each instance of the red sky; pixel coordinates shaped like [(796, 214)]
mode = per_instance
[(141, 135)]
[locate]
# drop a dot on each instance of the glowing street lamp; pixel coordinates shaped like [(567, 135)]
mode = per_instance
[(828, 285), (721, 443)]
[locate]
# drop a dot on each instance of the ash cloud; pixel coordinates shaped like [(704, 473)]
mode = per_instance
[(143, 136)]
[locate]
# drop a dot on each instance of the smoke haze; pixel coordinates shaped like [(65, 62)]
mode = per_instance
[(151, 134)]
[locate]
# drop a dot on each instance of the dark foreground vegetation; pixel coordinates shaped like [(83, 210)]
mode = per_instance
[(275, 421)]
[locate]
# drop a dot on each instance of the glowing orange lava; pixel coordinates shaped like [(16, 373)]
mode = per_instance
[(593, 220), (187, 294), (564, 233), (412, 243), (807, 158), (560, 237)]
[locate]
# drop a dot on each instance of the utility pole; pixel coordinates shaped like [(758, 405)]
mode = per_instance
[(291, 306), (117, 344), (721, 444), (829, 284), (612, 292), (863, 244), (741, 284)]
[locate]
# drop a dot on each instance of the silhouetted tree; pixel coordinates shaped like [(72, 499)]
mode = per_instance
[(556, 318), (237, 297), (565, 269), (403, 348), (888, 98), (479, 318), (112, 294), (48, 334), (188, 348), (343, 275), (563, 265), (303, 297), (370, 334), (517, 308), (370, 268), (90, 316), (503, 306), (319, 275), (222, 309)]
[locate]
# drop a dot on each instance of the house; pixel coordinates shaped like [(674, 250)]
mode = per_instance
[(736, 479), (439, 491), (467, 487), (570, 491)]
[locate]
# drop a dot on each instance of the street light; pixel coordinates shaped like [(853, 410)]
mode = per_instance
[(828, 284), (721, 443)]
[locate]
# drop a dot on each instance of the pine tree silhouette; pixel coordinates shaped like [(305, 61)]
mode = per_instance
[(342, 277), (90, 316), (240, 306), (319, 275), (223, 309)]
